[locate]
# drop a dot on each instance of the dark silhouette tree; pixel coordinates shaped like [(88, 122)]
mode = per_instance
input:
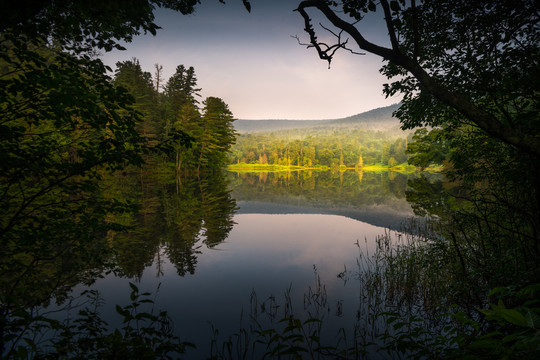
[(139, 84), (456, 62), (181, 89)]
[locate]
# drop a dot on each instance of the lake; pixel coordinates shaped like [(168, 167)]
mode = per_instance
[(226, 247)]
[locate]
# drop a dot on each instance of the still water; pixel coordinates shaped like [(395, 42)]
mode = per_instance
[(211, 246)]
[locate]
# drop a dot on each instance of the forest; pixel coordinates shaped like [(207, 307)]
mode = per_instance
[(76, 136), (321, 147), (71, 134), (169, 112)]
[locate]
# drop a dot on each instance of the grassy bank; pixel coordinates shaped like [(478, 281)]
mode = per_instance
[(272, 167), (403, 168)]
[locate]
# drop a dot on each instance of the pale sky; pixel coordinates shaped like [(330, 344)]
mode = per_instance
[(251, 61)]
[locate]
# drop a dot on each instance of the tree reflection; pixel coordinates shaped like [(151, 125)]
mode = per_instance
[(482, 243), (353, 188), (180, 218), (427, 196)]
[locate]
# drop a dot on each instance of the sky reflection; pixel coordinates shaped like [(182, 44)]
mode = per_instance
[(265, 253)]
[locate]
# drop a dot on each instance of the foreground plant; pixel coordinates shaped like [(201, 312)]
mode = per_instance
[(144, 334)]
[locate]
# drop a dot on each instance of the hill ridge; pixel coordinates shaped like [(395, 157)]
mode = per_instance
[(375, 119)]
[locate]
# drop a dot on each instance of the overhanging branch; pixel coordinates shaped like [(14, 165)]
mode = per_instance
[(528, 143)]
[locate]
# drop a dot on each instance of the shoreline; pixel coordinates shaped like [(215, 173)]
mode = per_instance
[(404, 168)]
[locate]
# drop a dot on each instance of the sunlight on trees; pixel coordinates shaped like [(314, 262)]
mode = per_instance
[(469, 72)]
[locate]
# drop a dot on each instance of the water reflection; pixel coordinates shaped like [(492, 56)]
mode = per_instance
[(375, 198), (175, 220), (264, 254), (285, 224)]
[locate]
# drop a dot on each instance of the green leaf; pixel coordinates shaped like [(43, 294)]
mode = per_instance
[(120, 310), (510, 315), (533, 320), (497, 290)]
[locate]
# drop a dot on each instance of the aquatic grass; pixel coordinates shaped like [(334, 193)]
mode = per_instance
[(406, 287), (380, 322), (400, 311), (277, 330)]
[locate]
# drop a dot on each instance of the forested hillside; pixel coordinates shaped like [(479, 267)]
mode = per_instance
[(352, 142), (376, 119)]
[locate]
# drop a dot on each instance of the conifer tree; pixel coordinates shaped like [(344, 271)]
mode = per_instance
[(181, 88), (130, 76), (218, 133)]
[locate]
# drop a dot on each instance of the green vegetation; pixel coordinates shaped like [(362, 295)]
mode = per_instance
[(465, 71), (144, 334), (173, 114), (321, 147), (468, 71), (66, 127)]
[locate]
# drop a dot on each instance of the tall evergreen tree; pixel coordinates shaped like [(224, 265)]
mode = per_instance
[(130, 76), (188, 121), (181, 88), (218, 133)]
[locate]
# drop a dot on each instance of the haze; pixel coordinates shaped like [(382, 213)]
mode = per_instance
[(251, 61)]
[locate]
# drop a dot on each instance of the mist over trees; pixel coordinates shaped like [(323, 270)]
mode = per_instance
[(466, 70), (322, 146)]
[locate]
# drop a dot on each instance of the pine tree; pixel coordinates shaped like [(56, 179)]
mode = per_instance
[(181, 88), (218, 133), (138, 83)]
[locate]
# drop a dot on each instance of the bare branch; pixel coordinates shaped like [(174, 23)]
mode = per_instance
[(484, 120), (312, 37), (301, 43), (325, 51), (339, 43)]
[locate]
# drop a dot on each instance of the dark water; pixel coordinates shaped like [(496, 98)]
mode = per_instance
[(212, 245)]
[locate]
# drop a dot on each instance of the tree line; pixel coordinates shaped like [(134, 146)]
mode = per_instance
[(173, 108), (65, 127), (321, 147)]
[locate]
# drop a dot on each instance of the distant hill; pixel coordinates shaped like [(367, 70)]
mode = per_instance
[(376, 119)]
